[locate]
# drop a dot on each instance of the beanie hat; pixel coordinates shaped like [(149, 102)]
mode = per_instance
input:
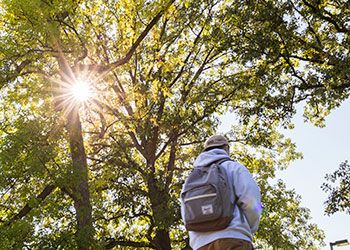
[(215, 141)]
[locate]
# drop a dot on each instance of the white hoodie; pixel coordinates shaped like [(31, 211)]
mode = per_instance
[(246, 217)]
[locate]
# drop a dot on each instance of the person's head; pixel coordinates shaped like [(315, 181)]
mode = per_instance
[(217, 141)]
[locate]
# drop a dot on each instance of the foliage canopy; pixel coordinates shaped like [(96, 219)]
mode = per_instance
[(338, 187), (107, 172)]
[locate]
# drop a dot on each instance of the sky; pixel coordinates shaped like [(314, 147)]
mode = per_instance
[(323, 150)]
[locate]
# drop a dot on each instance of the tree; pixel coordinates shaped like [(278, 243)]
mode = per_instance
[(286, 221), (160, 82), (338, 196), (45, 29)]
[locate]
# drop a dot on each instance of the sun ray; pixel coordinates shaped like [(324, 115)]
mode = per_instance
[(73, 91)]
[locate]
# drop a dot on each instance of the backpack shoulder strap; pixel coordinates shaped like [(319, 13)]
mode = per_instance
[(234, 191), (223, 160)]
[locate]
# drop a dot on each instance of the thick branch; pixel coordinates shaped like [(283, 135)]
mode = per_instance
[(329, 18), (27, 208), (129, 131), (171, 162), (131, 51), (195, 77)]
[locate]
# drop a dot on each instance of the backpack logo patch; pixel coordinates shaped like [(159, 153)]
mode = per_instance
[(208, 209)]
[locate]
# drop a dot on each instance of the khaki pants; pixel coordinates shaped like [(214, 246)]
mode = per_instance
[(228, 244)]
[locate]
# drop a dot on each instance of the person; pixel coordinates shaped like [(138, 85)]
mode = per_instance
[(248, 208)]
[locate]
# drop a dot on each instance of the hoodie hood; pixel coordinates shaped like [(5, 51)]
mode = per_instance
[(208, 157)]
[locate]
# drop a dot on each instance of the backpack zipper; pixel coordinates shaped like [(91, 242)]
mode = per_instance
[(200, 197)]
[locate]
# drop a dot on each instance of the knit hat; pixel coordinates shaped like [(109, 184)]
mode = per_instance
[(215, 141)]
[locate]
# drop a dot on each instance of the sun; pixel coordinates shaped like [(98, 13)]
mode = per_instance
[(75, 90), (81, 90)]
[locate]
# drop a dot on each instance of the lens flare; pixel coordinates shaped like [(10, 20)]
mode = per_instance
[(75, 88), (81, 90)]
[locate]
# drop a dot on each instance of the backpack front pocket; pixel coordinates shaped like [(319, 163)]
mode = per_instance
[(201, 204)]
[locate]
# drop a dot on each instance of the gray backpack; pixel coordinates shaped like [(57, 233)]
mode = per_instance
[(206, 199)]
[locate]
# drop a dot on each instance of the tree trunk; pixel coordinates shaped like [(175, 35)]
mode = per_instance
[(162, 240), (81, 195), (159, 201), (79, 182)]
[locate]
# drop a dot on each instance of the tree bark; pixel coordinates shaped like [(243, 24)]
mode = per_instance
[(81, 195), (159, 201), (162, 240)]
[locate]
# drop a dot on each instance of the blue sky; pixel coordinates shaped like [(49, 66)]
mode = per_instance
[(323, 149)]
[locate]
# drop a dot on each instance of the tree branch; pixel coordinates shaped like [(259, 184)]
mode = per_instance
[(27, 208), (128, 55), (329, 18)]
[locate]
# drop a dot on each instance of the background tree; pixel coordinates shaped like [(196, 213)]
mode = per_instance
[(158, 94), (338, 189), (45, 29)]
